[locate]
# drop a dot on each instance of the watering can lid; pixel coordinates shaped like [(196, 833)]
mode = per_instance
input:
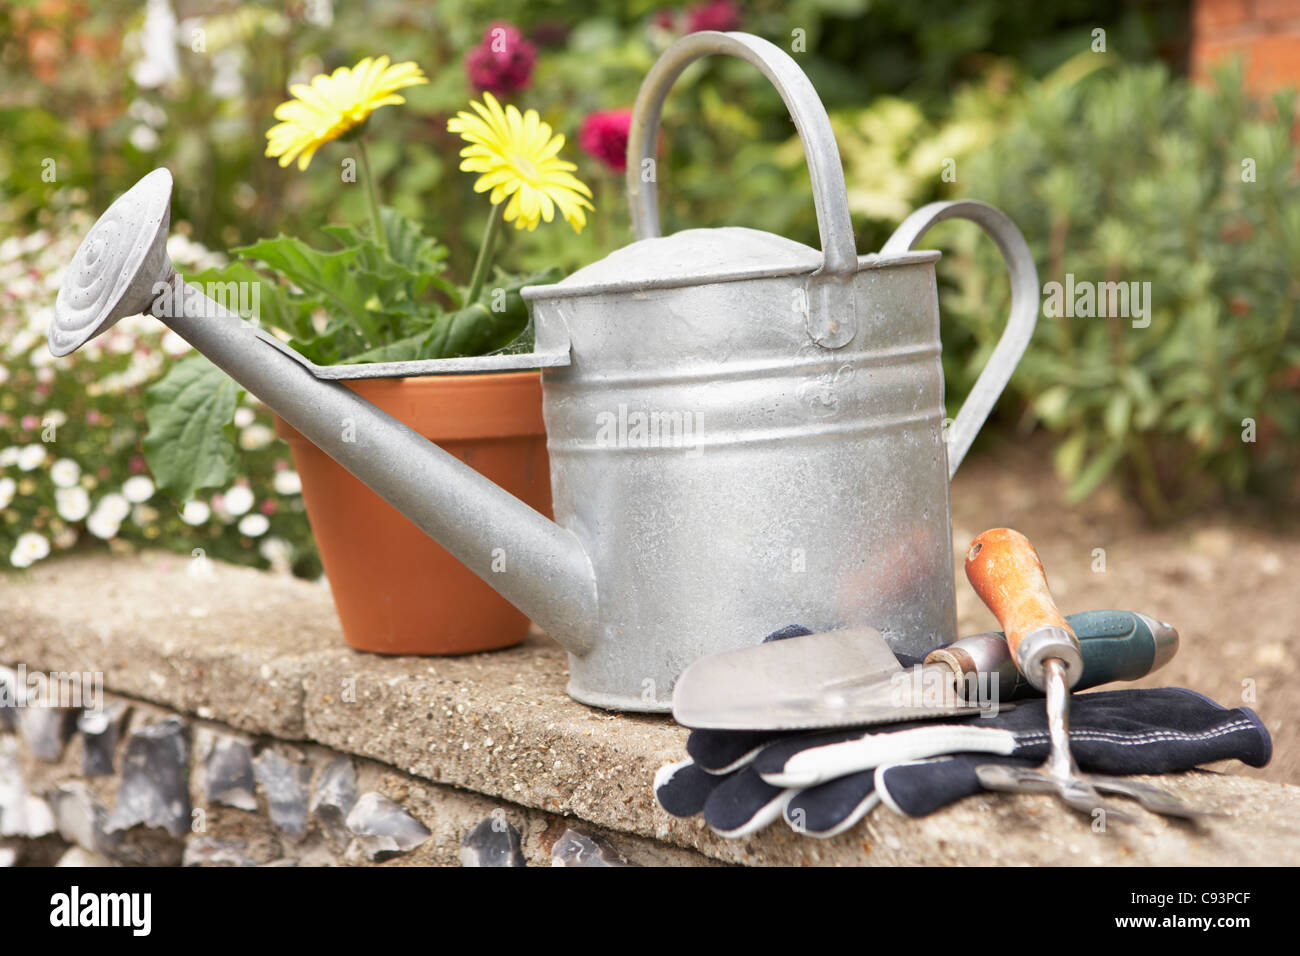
[(686, 258)]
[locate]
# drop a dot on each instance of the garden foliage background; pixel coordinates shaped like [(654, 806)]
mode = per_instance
[(1113, 165)]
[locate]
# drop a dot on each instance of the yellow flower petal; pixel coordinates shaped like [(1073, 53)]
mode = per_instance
[(330, 106), (517, 158)]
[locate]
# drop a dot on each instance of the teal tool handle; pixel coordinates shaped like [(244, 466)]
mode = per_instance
[(1116, 645), (1121, 645)]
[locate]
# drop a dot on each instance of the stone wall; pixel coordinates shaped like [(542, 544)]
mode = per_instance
[(136, 784), (235, 720)]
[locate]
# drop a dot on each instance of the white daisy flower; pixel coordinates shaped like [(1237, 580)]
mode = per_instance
[(73, 503), (31, 457), (9, 456), (29, 549), (195, 513), (287, 483), (144, 138), (275, 549), (174, 345), (102, 525), (238, 500), (7, 488), (113, 506), (244, 416), (255, 436), (254, 525), (65, 472), (138, 488)]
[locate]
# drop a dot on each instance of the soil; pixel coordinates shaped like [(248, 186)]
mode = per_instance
[(1225, 580)]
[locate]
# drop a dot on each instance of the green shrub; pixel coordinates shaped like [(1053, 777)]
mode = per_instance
[(1127, 175)]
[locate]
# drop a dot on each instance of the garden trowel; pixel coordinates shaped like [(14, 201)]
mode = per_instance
[(834, 679), (851, 677)]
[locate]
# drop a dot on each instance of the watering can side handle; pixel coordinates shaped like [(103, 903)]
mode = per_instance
[(1020, 325), (830, 196)]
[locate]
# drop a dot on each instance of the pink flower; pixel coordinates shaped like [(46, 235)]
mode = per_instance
[(268, 507), (604, 136), (30, 423), (503, 62), (136, 465), (715, 15), (92, 417)]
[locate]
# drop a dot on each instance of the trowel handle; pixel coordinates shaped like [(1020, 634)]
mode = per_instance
[(1005, 571), (1116, 646)]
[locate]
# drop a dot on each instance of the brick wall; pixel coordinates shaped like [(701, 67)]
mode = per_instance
[(1265, 32)]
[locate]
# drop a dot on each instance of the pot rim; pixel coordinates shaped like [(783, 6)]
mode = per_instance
[(464, 407)]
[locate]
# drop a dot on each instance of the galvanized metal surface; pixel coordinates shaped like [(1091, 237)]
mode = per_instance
[(1020, 324), (829, 308), (804, 476), (114, 271), (844, 678), (730, 453)]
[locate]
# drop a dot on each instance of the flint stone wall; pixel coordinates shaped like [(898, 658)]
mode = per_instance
[(239, 729)]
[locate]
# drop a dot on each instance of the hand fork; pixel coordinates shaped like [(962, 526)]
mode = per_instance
[(1007, 574)]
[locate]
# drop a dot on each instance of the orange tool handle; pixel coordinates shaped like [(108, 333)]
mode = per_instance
[(1005, 572)]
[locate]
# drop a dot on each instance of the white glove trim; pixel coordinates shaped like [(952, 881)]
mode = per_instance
[(819, 764)]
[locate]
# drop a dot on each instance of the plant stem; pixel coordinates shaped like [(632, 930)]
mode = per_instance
[(1157, 506), (376, 221), (484, 254)]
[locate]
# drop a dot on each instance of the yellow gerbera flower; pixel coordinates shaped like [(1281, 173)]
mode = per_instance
[(335, 104), (518, 158)]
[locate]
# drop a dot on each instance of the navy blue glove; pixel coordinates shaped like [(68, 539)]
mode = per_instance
[(823, 782)]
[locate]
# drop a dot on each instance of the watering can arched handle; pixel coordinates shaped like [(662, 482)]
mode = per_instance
[(1020, 324), (832, 320)]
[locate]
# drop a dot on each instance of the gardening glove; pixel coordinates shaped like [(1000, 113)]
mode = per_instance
[(824, 782)]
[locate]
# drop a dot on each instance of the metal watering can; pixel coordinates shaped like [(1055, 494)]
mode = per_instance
[(743, 432)]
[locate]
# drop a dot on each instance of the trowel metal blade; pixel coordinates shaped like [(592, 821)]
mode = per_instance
[(834, 679)]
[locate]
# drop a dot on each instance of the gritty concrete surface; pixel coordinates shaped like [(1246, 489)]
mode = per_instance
[(264, 655), (1226, 580)]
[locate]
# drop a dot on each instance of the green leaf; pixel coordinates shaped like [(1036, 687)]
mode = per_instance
[(413, 258), (1068, 456), (1052, 404), (275, 306), (190, 415), (328, 274), (403, 350), (476, 330), (408, 244), (1118, 411), (1094, 473)]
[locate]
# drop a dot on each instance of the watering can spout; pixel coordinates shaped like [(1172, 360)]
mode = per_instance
[(121, 268)]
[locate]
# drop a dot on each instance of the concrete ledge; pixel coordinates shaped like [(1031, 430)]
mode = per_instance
[(264, 656)]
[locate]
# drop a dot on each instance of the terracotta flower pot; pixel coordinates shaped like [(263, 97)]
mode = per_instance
[(396, 591)]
